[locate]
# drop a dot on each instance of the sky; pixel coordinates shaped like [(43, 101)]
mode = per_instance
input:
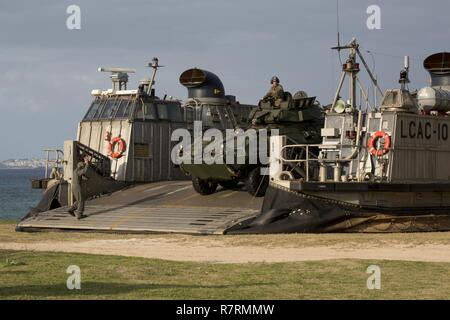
[(47, 71)]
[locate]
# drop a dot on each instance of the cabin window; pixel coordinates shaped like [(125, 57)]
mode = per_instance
[(174, 112), (149, 111), (188, 114), (108, 109), (138, 107), (243, 114), (211, 114), (163, 113), (93, 109), (123, 109), (145, 110), (391, 98), (205, 116)]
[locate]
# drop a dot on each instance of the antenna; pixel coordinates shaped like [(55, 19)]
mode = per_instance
[(337, 23), (404, 74), (116, 70), (119, 76), (154, 64), (351, 68)]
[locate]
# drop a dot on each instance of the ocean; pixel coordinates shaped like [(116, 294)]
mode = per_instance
[(16, 195)]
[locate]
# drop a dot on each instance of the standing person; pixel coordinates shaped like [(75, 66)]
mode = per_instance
[(276, 92), (77, 208)]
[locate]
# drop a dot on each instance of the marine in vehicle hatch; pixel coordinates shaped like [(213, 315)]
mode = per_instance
[(299, 118), (77, 209), (276, 93)]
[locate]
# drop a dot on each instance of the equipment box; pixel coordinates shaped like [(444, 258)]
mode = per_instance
[(39, 183)]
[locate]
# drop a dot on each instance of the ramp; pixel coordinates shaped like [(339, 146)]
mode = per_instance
[(166, 207)]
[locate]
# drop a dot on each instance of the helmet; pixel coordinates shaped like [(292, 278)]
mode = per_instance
[(300, 94), (275, 78)]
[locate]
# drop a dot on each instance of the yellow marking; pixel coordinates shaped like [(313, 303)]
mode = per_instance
[(228, 194), (190, 197), (122, 219), (154, 188), (178, 190)]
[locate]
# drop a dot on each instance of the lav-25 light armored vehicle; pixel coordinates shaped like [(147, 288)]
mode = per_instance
[(300, 118)]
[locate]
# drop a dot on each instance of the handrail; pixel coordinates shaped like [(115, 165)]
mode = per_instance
[(100, 162), (57, 161), (307, 158), (305, 146)]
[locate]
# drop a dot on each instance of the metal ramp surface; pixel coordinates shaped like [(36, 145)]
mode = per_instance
[(166, 207)]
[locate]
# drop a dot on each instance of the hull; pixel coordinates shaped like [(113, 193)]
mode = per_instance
[(288, 211)]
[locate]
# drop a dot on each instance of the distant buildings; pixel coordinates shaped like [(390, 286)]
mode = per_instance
[(22, 163)]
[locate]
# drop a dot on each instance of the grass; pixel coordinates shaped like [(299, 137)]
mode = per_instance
[(32, 275), (8, 222)]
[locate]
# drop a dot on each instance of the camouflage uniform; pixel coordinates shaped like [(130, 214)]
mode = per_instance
[(277, 93), (78, 207)]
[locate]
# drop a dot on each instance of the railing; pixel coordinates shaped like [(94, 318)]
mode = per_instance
[(56, 162), (309, 156), (100, 162)]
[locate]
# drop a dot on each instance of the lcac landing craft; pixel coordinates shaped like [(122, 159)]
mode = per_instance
[(379, 169), (127, 134)]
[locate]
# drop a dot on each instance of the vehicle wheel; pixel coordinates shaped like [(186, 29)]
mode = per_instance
[(256, 183), (204, 187), (229, 184)]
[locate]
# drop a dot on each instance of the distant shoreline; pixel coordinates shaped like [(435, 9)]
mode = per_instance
[(22, 168)]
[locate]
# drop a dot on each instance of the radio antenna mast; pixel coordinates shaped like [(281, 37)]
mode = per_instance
[(337, 23), (154, 64), (351, 68)]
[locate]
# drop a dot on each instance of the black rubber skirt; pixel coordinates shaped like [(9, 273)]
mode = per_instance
[(286, 211)]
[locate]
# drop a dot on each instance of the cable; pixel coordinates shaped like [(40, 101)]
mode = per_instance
[(338, 33), (391, 55)]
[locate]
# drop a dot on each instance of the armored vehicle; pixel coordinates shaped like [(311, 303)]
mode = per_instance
[(208, 103), (300, 118)]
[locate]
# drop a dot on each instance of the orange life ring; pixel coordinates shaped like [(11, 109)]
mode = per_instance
[(122, 148), (373, 140)]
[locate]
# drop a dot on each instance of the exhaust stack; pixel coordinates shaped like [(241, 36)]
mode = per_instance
[(202, 84), (438, 65), (437, 97)]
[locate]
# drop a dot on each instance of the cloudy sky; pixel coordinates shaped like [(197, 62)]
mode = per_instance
[(47, 71)]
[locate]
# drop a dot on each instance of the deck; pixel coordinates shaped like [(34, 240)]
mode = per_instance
[(162, 207)]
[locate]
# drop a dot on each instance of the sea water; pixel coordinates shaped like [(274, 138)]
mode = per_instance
[(16, 194)]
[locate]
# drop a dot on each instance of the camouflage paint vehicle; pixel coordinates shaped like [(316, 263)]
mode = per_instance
[(299, 118)]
